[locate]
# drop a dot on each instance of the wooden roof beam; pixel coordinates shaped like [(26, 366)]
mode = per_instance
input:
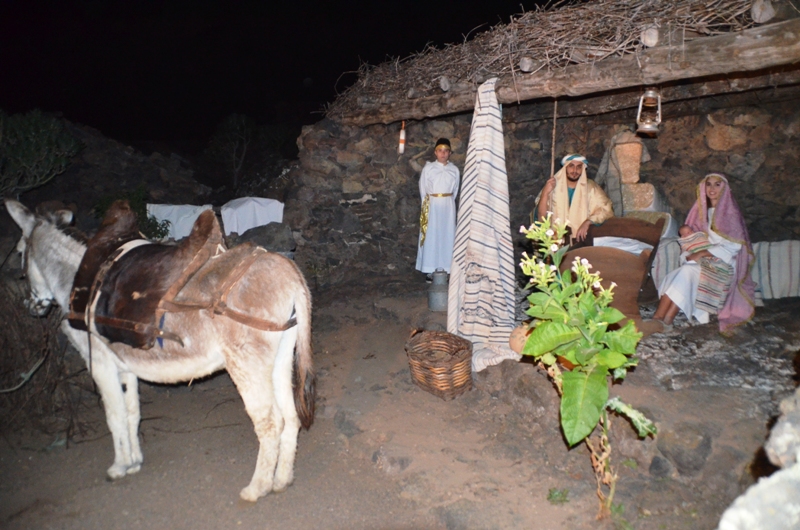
[(750, 50), (628, 98)]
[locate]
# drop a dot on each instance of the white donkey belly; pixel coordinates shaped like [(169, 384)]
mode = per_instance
[(173, 371), (201, 354)]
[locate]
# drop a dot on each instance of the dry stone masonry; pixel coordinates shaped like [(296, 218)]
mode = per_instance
[(354, 202)]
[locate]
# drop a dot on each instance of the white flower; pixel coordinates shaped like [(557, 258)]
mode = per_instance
[(549, 232), (613, 284), (553, 247), (596, 285), (525, 255), (585, 263), (522, 229), (553, 268)]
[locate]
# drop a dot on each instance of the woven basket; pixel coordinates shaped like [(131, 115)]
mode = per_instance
[(441, 363)]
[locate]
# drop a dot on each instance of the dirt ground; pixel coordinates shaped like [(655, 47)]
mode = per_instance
[(382, 453)]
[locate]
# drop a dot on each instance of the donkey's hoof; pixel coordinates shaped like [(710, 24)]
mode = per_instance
[(117, 471), (134, 468), (280, 486), (251, 494)]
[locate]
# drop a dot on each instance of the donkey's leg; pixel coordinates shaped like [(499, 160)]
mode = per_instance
[(130, 385), (106, 375), (251, 371), (284, 397)]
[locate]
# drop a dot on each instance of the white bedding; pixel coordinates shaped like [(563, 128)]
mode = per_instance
[(627, 244)]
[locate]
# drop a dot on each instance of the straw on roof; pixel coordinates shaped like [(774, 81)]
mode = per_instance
[(565, 33)]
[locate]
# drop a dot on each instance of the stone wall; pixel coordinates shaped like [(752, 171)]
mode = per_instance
[(354, 202)]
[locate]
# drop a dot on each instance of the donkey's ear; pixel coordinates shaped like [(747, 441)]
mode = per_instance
[(21, 215), (62, 217)]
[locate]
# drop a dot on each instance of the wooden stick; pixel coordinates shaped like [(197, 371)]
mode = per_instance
[(553, 148)]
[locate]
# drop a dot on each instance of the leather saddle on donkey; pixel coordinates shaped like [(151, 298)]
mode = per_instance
[(123, 279), (125, 284)]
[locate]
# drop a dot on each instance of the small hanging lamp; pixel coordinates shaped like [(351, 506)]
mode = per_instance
[(648, 116), (401, 148)]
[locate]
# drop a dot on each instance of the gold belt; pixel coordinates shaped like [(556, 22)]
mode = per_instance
[(423, 215)]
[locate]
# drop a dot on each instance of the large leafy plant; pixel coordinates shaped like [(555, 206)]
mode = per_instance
[(572, 339)]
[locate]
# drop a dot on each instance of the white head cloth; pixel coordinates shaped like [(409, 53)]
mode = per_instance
[(569, 158)]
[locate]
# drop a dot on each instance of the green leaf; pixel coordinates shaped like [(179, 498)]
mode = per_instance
[(640, 422), (611, 315), (551, 312), (568, 351), (619, 374), (584, 396), (558, 256), (588, 305), (569, 291), (599, 332), (623, 340), (548, 359), (584, 355), (538, 298), (548, 336), (611, 359)]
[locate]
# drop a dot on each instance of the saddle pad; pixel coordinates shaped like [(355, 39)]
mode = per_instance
[(128, 303), (119, 227), (218, 275)]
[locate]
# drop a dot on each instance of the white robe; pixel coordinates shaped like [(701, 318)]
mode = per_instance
[(681, 284), (437, 252)]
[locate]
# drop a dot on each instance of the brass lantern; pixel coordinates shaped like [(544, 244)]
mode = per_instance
[(649, 115)]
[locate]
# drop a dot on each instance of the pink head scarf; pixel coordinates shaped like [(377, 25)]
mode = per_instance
[(729, 223)]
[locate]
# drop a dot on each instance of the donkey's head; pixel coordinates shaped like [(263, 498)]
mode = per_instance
[(41, 296)]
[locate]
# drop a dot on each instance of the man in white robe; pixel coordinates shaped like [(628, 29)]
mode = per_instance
[(438, 188)]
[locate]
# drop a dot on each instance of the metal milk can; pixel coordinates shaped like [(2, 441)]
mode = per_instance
[(437, 293)]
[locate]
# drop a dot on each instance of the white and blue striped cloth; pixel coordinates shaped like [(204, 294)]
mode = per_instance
[(481, 295), (776, 268)]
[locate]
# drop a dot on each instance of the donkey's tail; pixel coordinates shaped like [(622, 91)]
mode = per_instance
[(305, 380)]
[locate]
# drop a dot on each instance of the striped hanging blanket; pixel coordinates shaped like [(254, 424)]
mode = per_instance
[(776, 269), (481, 300), (714, 285)]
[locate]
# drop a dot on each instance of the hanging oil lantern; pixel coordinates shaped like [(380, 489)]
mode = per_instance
[(649, 115)]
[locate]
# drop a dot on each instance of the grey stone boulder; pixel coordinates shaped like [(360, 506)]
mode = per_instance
[(686, 446), (275, 237)]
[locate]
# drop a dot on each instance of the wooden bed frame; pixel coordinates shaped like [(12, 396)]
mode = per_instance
[(632, 228)]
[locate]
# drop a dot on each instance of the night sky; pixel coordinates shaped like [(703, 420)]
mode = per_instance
[(170, 70)]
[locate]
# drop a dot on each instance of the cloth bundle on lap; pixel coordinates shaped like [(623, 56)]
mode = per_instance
[(694, 242), (714, 285)]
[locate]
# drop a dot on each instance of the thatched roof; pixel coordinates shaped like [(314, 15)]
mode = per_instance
[(544, 44)]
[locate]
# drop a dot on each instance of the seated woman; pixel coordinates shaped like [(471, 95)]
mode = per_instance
[(717, 214)]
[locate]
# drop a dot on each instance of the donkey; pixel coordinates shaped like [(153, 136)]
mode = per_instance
[(273, 371)]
